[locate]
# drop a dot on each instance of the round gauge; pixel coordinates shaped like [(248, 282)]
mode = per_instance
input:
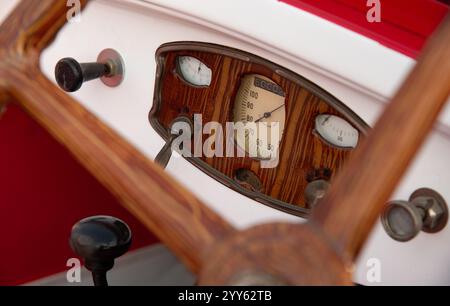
[(258, 105), (336, 131), (193, 71)]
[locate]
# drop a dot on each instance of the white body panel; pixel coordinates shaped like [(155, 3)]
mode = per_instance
[(358, 71)]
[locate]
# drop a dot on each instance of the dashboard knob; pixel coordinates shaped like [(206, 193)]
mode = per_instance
[(70, 74), (315, 191), (99, 240), (425, 211)]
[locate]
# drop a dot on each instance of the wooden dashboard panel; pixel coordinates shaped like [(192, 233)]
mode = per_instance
[(304, 156)]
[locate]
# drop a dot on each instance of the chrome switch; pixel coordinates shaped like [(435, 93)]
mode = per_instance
[(426, 210), (315, 191), (180, 125)]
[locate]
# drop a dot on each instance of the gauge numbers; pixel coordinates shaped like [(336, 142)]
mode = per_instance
[(193, 71), (336, 131), (259, 103)]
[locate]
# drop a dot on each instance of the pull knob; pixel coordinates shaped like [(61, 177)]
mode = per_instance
[(315, 191), (70, 74), (425, 211), (99, 240)]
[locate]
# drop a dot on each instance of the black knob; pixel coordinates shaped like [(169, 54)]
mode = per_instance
[(99, 240), (70, 74), (425, 211)]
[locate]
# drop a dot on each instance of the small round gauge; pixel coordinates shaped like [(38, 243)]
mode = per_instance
[(336, 131), (193, 71), (259, 103)]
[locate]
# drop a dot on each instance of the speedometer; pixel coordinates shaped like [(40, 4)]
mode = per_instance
[(259, 107)]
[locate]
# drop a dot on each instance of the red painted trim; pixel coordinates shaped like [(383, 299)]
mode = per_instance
[(43, 192), (405, 24)]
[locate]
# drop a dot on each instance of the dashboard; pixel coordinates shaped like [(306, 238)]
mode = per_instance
[(260, 129)]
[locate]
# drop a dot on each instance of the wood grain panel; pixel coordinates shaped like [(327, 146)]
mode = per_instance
[(303, 154)]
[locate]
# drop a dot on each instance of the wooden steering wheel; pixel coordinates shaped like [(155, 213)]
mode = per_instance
[(321, 251)]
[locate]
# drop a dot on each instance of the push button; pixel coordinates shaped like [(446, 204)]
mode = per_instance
[(426, 210)]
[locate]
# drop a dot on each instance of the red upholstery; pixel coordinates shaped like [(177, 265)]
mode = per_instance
[(43, 192), (405, 26)]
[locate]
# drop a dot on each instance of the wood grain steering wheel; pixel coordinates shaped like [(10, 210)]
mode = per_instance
[(321, 251)]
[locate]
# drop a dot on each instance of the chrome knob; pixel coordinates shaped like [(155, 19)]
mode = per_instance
[(425, 211), (315, 191), (70, 74)]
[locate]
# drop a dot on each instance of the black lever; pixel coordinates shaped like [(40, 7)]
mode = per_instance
[(99, 240), (70, 74)]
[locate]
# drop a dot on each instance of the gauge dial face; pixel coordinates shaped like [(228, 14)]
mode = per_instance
[(259, 106), (336, 131), (193, 71)]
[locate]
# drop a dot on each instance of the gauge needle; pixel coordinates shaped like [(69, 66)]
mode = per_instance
[(268, 114), (326, 120)]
